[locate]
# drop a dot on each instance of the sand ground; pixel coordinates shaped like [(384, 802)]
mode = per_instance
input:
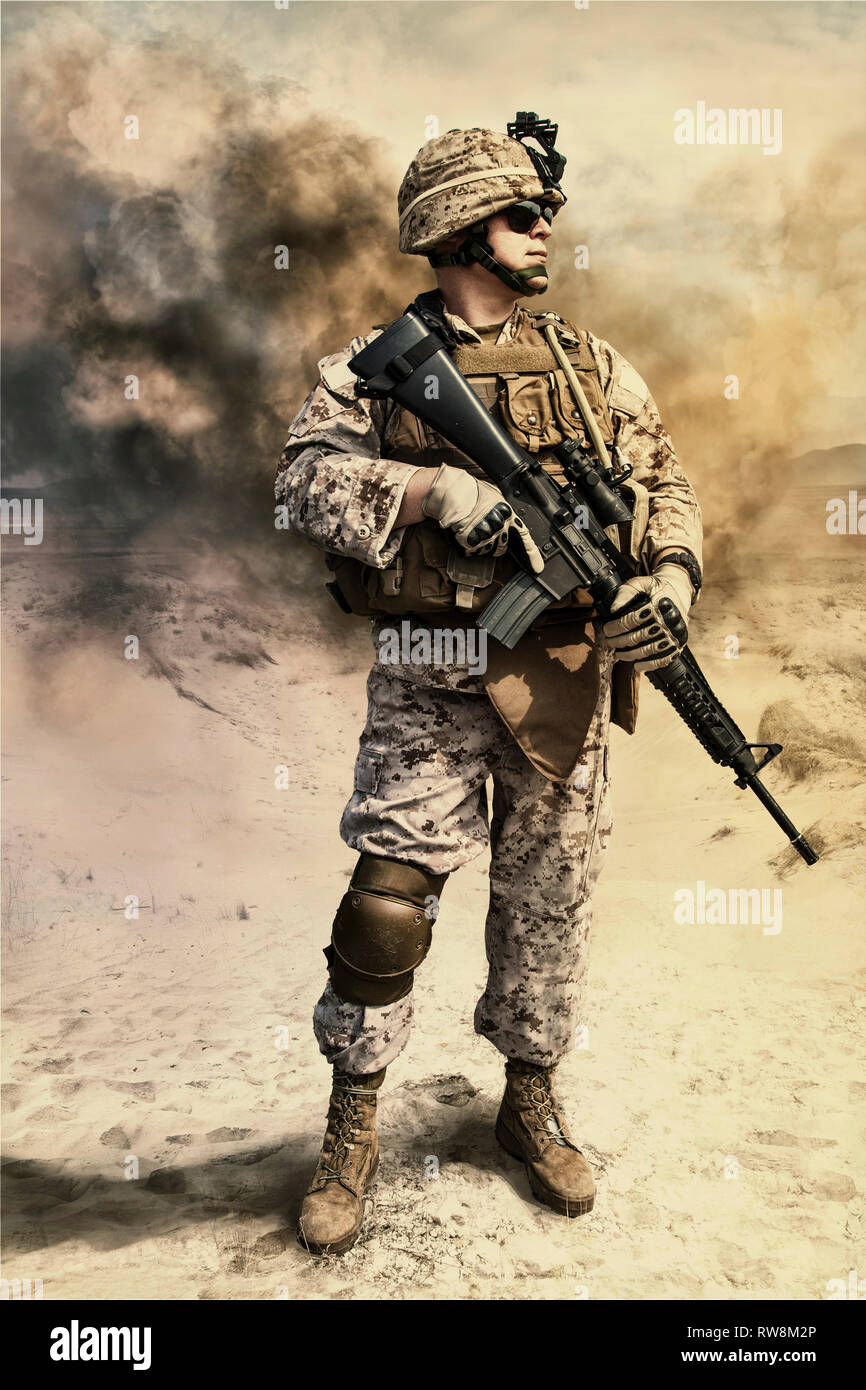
[(164, 1098)]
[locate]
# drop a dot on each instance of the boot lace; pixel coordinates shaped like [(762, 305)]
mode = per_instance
[(542, 1100), (346, 1117)]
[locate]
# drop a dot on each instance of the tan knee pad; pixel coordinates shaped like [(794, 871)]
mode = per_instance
[(382, 930)]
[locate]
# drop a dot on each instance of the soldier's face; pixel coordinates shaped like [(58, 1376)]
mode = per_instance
[(519, 250)]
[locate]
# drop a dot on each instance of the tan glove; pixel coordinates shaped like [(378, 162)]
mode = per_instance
[(650, 635), (478, 514)]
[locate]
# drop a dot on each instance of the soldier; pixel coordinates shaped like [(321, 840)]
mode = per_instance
[(410, 527)]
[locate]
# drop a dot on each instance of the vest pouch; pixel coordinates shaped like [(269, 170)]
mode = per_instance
[(448, 578), (433, 584), (640, 521), (418, 581), (469, 574), (528, 413), (429, 575), (625, 691), (350, 586), (565, 410)]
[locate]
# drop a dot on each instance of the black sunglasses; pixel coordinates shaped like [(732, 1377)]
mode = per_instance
[(522, 217)]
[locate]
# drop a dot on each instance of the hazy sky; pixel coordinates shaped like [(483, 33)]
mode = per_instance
[(613, 74), (704, 259)]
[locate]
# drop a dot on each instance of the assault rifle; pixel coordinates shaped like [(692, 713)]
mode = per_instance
[(409, 362)]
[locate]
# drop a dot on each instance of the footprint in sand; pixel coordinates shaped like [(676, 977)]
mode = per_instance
[(72, 1022), (254, 1259), (67, 1086), (50, 1114), (227, 1135), (114, 1138), (140, 1090), (834, 1187), (56, 1064), (14, 1094)]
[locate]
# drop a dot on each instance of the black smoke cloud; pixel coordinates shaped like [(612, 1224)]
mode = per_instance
[(169, 275)]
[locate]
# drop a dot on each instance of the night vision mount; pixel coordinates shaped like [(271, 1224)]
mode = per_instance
[(549, 163)]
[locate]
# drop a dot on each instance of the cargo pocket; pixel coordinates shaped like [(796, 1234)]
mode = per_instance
[(368, 772)]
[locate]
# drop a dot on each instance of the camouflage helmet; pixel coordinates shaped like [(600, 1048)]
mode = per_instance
[(461, 178)]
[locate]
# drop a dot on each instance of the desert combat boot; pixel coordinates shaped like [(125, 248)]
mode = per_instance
[(333, 1208), (530, 1127)]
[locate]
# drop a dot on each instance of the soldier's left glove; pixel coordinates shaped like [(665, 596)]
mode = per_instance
[(653, 630)]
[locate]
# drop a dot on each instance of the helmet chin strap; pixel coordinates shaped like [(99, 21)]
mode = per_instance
[(476, 248)]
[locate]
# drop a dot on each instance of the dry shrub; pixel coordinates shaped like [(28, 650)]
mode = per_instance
[(809, 749)]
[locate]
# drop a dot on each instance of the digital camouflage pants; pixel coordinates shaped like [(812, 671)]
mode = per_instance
[(420, 794)]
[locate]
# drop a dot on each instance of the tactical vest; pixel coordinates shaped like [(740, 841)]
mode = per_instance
[(527, 392)]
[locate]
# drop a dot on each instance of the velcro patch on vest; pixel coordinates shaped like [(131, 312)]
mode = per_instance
[(509, 357), (572, 341)]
